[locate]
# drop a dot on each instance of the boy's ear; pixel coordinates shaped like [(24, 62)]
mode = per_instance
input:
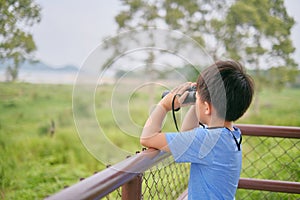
[(207, 107)]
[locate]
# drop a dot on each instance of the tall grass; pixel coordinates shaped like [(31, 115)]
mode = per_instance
[(34, 163), (275, 108)]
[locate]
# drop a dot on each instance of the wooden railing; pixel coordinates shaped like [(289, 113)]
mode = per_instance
[(127, 174), (270, 185), (122, 174)]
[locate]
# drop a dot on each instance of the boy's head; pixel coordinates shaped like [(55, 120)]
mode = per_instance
[(226, 86)]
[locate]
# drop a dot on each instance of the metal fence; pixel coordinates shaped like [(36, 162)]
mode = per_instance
[(165, 180), (270, 153), (271, 163)]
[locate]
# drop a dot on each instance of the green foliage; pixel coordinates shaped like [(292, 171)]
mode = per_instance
[(198, 19), (276, 108), (16, 42), (259, 36), (34, 164), (256, 32)]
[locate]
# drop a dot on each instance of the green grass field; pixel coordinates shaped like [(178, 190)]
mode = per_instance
[(35, 164)]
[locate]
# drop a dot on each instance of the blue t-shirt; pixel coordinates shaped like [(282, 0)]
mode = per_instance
[(215, 161)]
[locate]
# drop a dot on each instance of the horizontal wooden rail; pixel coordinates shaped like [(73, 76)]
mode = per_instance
[(270, 131), (262, 184), (269, 185), (106, 181)]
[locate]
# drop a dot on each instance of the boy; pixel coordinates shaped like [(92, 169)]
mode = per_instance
[(224, 92)]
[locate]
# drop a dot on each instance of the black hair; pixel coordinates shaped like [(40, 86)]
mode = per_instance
[(227, 87)]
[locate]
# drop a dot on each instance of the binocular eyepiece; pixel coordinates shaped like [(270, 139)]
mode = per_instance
[(191, 97)]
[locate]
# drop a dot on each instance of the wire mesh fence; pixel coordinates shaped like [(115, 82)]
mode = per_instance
[(271, 158), (165, 182), (115, 195)]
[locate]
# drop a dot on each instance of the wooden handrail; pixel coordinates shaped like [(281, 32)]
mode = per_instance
[(269, 185), (270, 131), (262, 184), (104, 182)]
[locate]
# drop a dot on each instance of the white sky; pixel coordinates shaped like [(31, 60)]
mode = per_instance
[(71, 29)]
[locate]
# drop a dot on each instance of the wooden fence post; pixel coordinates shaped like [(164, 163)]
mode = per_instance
[(132, 190)]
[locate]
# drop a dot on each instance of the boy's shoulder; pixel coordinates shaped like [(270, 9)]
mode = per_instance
[(200, 131)]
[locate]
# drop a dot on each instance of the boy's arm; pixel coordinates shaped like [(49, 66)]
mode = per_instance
[(190, 120), (152, 136)]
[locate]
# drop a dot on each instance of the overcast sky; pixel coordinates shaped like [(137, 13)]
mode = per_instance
[(71, 29)]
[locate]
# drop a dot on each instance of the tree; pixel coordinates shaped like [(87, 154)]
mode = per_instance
[(255, 32), (200, 19), (259, 35), (251, 31), (17, 43)]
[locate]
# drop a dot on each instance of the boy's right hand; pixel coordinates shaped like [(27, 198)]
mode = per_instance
[(181, 94)]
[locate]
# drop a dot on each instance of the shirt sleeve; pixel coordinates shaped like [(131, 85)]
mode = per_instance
[(195, 146)]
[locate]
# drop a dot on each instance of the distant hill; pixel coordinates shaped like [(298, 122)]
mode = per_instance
[(40, 66)]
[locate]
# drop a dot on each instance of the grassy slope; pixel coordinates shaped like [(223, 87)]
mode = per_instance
[(34, 164)]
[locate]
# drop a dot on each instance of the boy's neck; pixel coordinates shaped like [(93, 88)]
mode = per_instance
[(221, 123)]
